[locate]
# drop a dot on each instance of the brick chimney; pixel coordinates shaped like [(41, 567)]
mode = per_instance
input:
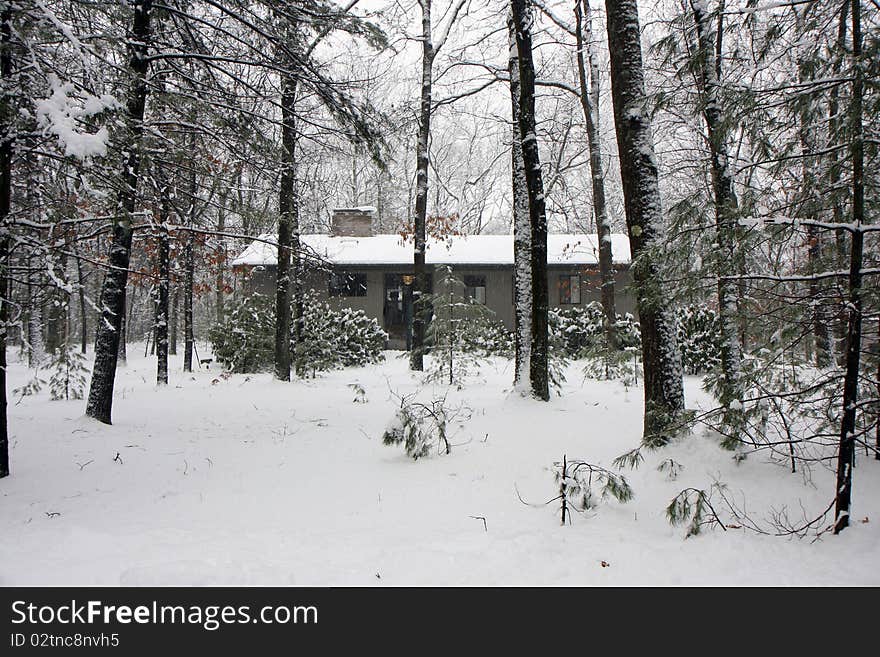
[(352, 222)]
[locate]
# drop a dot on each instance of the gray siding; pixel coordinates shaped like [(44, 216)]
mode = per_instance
[(499, 288)]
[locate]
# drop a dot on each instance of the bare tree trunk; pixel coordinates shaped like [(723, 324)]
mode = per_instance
[(83, 314), (188, 281), (834, 173), (6, 146), (298, 270), (172, 338), (539, 350), (286, 201), (589, 97), (726, 211), (219, 282), (123, 329), (189, 265), (664, 389), (846, 450), (36, 351), (164, 269), (112, 302), (420, 284), (522, 239)]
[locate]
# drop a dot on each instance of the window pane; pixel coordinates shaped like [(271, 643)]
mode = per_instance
[(575, 289), (564, 289), (346, 284)]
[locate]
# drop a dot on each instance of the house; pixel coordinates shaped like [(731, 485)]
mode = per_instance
[(373, 272)]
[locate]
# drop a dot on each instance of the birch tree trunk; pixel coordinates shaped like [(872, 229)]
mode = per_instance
[(539, 349), (522, 239), (589, 97), (664, 390), (112, 304)]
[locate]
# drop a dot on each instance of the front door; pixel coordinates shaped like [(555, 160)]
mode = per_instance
[(397, 311)]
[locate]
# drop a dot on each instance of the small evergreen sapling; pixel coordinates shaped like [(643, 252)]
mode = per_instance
[(68, 373), (421, 426), (576, 481), (458, 332), (694, 507)]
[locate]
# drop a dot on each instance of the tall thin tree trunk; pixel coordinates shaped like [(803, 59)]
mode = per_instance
[(175, 305), (539, 351), (726, 211), (809, 210), (420, 283), (188, 281), (286, 196), (83, 314), (834, 173), (298, 269), (112, 302), (6, 146), (164, 269), (122, 347), (664, 389), (846, 450), (522, 239), (589, 97), (219, 282), (189, 263)]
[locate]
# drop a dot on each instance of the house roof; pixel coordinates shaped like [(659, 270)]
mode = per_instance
[(568, 249)]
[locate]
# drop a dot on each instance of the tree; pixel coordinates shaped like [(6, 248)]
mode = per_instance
[(6, 137), (664, 390), (846, 449), (430, 48), (522, 251), (726, 211), (539, 348), (100, 401), (589, 99)]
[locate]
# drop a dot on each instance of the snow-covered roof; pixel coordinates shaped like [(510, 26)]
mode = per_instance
[(454, 250)]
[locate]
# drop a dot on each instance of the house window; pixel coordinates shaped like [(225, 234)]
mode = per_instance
[(346, 284), (570, 289), (475, 288)]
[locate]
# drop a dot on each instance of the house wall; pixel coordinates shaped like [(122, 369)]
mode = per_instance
[(499, 288)]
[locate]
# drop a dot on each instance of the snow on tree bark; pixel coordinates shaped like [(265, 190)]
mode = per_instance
[(664, 390), (522, 264), (539, 349), (420, 284), (164, 271), (286, 195), (112, 302), (589, 98), (189, 267), (726, 217), (846, 449), (6, 145)]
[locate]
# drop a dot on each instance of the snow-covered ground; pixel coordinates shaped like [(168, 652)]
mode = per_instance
[(247, 480)]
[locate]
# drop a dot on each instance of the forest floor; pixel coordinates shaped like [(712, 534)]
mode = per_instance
[(246, 480)]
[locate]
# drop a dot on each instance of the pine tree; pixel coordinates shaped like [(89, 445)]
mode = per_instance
[(664, 388)]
